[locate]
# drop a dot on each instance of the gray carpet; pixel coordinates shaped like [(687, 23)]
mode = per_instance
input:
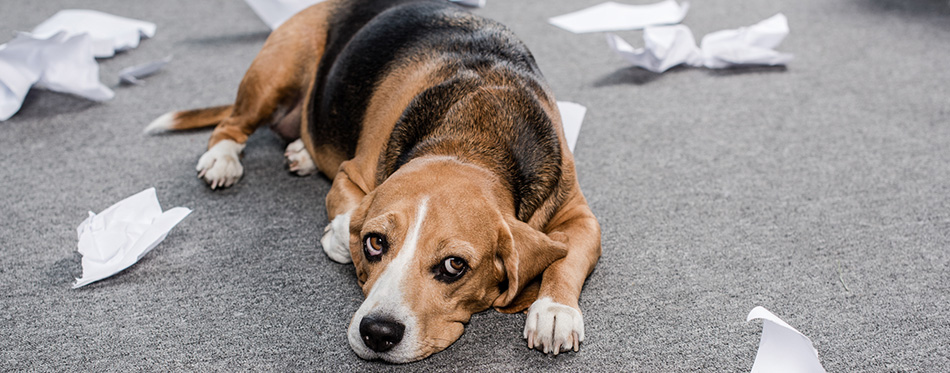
[(820, 191)]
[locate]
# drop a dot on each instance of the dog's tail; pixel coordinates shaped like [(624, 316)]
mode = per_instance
[(189, 119)]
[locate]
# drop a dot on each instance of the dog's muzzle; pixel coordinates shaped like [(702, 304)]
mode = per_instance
[(380, 335)]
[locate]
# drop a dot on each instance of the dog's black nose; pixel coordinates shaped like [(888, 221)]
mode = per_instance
[(380, 335)]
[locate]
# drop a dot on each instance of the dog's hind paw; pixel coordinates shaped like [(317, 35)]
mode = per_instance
[(336, 239), (553, 327), (298, 159), (220, 166)]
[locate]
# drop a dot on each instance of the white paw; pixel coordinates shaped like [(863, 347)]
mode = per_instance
[(220, 166), (336, 239), (553, 327), (299, 159)]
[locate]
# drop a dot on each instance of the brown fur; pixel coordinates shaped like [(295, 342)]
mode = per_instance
[(200, 118)]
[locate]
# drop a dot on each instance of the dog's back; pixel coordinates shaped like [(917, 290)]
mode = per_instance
[(482, 64)]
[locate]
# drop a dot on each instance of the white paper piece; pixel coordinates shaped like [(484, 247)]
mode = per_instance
[(470, 3), (17, 74), (572, 116), (59, 62), (665, 47), (276, 12), (669, 46), (110, 33), (60, 55), (611, 16), (122, 234), (753, 45), (782, 347), (134, 74)]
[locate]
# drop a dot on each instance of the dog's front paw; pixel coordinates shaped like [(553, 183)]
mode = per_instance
[(220, 166), (336, 239), (553, 327), (298, 159)]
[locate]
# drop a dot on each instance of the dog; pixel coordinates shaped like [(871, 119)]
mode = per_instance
[(453, 188)]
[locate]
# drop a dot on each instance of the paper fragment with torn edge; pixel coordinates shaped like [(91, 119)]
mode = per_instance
[(782, 347), (60, 55), (665, 47), (470, 3), (572, 116), (109, 33), (669, 46), (753, 45), (611, 16), (60, 62), (275, 12), (134, 74), (122, 234), (17, 74)]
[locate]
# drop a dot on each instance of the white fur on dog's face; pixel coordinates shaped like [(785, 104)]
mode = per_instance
[(387, 299)]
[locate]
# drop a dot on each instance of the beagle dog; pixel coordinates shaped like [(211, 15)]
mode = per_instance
[(453, 187)]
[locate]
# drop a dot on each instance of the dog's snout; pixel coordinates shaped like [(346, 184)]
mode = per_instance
[(380, 335)]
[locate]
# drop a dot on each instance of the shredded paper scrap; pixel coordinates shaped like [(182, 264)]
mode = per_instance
[(120, 235)]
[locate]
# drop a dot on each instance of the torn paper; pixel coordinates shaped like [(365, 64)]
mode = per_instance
[(122, 234), (60, 55), (17, 74), (276, 12), (470, 3), (612, 16), (753, 45), (60, 62), (110, 33), (782, 347), (134, 74), (664, 48), (669, 46), (572, 116)]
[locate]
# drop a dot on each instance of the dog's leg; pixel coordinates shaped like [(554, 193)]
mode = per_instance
[(270, 92), (259, 96), (344, 196), (554, 322)]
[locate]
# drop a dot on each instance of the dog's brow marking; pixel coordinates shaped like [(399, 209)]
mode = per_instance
[(386, 298), (390, 282)]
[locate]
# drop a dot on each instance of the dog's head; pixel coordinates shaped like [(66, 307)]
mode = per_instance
[(432, 246)]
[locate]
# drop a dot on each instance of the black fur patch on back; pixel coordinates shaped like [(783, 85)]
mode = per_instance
[(364, 38)]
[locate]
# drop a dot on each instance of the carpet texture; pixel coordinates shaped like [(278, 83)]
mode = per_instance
[(820, 191)]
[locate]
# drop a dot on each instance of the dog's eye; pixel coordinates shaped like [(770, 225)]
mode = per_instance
[(374, 245), (451, 269)]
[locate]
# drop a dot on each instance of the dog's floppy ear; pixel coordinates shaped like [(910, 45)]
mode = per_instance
[(524, 253), (356, 225)]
